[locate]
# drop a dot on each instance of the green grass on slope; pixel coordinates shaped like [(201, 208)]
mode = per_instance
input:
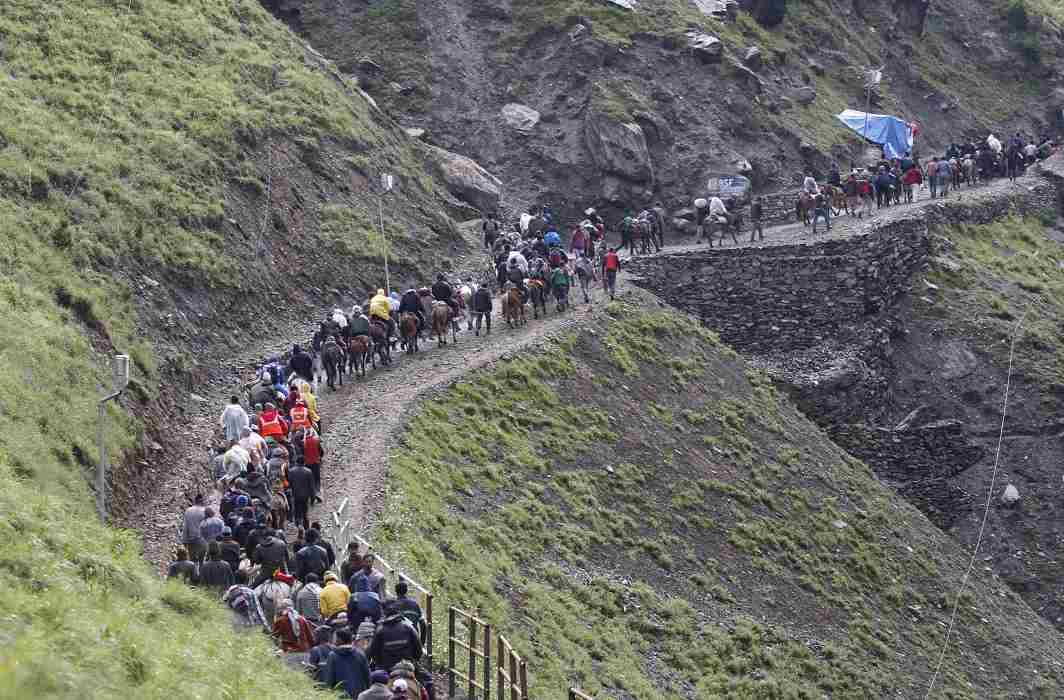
[(83, 617), (733, 551), (1008, 268), (122, 124)]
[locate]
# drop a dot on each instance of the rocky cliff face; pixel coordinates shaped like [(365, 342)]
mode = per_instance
[(709, 90)]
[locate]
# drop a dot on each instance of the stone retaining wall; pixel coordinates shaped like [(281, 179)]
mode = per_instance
[(796, 296)]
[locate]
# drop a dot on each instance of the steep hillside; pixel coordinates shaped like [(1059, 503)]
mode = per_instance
[(169, 171), (537, 91), (648, 519)]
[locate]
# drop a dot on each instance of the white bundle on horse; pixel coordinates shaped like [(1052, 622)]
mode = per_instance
[(701, 203), (339, 318), (994, 144), (526, 218)]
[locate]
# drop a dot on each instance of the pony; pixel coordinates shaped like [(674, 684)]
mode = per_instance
[(332, 356), (464, 297), (358, 350), (513, 310), (644, 227), (408, 331), (537, 292), (424, 296), (441, 318), (837, 199), (378, 333), (803, 207)]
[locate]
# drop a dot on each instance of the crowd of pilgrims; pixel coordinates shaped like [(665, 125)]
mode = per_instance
[(258, 551)]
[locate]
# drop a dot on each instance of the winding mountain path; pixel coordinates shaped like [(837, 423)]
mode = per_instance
[(361, 418)]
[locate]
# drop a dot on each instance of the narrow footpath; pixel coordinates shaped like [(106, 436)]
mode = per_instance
[(361, 418)]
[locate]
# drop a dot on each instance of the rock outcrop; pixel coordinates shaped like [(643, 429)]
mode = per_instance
[(520, 117), (618, 148), (466, 179)]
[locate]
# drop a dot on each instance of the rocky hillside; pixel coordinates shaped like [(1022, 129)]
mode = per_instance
[(169, 172), (648, 518), (585, 101)]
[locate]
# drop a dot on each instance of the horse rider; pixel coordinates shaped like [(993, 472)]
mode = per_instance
[(380, 310), (834, 177), (301, 364), (443, 291), (578, 241), (718, 214), (809, 185), (411, 304), (516, 271), (359, 323)]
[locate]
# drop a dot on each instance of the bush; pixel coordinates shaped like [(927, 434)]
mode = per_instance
[(1017, 17), (770, 12)]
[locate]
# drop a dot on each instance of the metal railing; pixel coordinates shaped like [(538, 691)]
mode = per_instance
[(467, 632), (577, 694), (343, 535)]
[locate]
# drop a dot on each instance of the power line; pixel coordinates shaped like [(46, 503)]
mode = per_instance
[(986, 509)]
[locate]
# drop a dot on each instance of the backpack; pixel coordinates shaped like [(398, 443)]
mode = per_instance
[(273, 593)]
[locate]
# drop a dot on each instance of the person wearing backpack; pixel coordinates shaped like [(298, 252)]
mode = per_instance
[(182, 568), (611, 263), (272, 592), (407, 607), (215, 574)]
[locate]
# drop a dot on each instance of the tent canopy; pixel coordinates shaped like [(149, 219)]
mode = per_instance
[(895, 135)]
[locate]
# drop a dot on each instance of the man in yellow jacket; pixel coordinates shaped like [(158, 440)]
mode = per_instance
[(333, 598), (380, 307)]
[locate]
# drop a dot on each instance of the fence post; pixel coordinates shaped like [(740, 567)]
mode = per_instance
[(450, 653), (472, 657), (514, 677), (524, 680), (428, 629), (487, 662), (500, 668)]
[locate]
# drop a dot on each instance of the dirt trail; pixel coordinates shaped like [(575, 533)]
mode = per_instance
[(359, 420)]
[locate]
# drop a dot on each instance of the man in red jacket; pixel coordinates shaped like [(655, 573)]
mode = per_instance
[(611, 263), (271, 424), (312, 454)]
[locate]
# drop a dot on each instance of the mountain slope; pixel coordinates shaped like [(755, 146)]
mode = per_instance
[(647, 518), (170, 173), (960, 69)]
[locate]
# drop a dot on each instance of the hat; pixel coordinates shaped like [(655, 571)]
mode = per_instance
[(379, 677), (227, 531), (366, 630), (329, 576), (400, 684)]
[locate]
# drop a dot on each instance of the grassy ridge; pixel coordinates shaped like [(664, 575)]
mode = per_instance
[(126, 127), (681, 530)]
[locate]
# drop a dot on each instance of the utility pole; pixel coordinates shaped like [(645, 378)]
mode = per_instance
[(387, 183), (119, 382)]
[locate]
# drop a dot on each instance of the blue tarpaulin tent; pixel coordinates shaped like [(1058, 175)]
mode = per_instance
[(895, 135)]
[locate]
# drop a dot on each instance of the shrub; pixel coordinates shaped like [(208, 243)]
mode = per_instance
[(1017, 17), (770, 12)]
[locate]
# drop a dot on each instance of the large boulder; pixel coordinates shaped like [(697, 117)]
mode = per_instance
[(466, 179), (706, 47), (803, 95), (520, 117), (618, 148)]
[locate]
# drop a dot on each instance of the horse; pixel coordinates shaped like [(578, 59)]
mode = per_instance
[(804, 206), (537, 292), (644, 227), (378, 332), (332, 357), (513, 310), (441, 318), (969, 168), (532, 225), (464, 297), (408, 330), (424, 296), (358, 349), (837, 199)]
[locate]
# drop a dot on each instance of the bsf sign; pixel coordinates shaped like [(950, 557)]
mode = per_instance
[(729, 186)]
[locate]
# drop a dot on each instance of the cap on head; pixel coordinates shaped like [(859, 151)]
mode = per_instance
[(329, 576), (366, 630)]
